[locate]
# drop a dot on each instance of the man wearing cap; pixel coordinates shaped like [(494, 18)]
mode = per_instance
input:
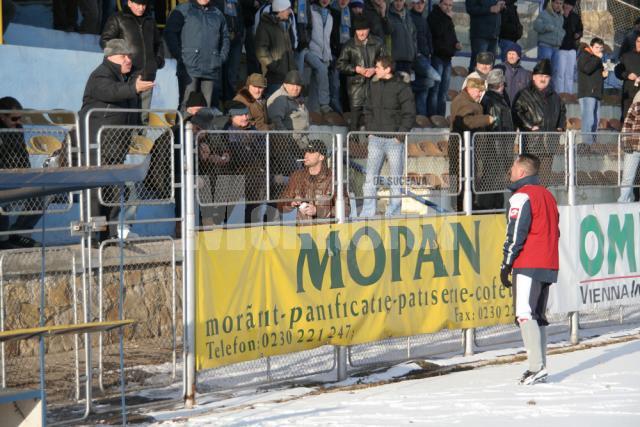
[(484, 64), (286, 107), (538, 107), (274, 46), (357, 62), (248, 159), (111, 86), (199, 58), (466, 115), (390, 108), (251, 95), (495, 154), (445, 46), (311, 190), (484, 26), (138, 29), (516, 77)]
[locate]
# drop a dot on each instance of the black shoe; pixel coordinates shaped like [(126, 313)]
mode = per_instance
[(6, 244), (22, 241), (530, 378)]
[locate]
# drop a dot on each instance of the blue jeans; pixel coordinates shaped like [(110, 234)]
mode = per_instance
[(320, 76), (334, 87), (631, 161), (564, 70), (437, 98), (547, 52), (379, 148), (590, 111), (421, 101), (481, 45)]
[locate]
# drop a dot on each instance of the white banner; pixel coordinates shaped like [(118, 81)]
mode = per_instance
[(599, 248)]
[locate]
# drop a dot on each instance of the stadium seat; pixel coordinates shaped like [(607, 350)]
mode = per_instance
[(62, 118), (431, 148), (615, 124), (460, 71), (159, 120), (140, 145), (439, 122), (611, 177), (43, 144), (423, 122)]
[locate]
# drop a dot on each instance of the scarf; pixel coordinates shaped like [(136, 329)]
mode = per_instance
[(301, 16), (230, 7), (345, 25)]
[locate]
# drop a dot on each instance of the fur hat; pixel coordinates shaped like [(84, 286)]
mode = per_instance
[(361, 23), (474, 83), (495, 77), (117, 47), (543, 67)]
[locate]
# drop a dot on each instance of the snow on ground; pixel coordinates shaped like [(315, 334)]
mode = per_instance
[(597, 386)]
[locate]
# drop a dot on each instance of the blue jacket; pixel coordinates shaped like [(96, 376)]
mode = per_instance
[(483, 23), (197, 37)]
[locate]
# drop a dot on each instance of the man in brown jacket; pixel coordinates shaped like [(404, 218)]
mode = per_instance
[(251, 97), (311, 189), (466, 115)]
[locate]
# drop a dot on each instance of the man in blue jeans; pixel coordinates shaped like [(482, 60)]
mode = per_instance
[(445, 45), (390, 111), (591, 75)]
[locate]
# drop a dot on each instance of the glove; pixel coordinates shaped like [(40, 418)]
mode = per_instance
[(505, 271)]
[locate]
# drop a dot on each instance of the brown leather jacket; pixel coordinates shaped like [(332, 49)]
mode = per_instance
[(316, 189)]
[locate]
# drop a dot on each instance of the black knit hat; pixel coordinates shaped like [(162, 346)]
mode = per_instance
[(543, 67)]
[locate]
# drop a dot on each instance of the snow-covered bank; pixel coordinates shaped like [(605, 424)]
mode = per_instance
[(596, 386)]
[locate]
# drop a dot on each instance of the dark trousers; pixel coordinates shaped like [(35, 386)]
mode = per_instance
[(210, 88)]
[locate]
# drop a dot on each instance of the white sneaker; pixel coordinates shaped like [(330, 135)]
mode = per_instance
[(126, 233), (530, 378)]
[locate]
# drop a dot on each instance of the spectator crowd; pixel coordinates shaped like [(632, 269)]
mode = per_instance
[(382, 62)]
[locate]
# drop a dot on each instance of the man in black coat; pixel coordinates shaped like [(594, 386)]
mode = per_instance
[(138, 29), (494, 153), (484, 26), (422, 65), (14, 155), (357, 62), (390, 107), (445, 46), (628, 70), (510, 27), (591, 75), (112, 87)]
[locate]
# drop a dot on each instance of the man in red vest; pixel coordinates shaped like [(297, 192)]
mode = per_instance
[(531, 254)]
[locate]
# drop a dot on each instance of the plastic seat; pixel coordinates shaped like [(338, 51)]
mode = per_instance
[(62, 118), (158, 120), (460, 71), (440, 122), (140, 145), (43, 144), (431, 148)]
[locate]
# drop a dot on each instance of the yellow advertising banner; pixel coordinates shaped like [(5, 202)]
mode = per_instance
[(265, 291)]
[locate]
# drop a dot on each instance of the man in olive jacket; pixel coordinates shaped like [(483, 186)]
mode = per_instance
[(390, 108), (136, 27), (357, 62)]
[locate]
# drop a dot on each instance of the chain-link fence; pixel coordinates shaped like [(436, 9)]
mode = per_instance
[(153, 299), (263, 175), (20, 293), (394, 174)]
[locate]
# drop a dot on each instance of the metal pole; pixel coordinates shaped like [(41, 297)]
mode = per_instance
[(189, 266), (571, 196), (121, 307), (341, 351), (467, 205)]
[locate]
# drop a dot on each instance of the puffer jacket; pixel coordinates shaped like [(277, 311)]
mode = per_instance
[(550, 27), (317, 189), (257, 109), (403, 35), (287, 112), (543, 109), (355, 53), (197, 36), (273, 49), (443, 33), (590, 80), (320, 43), (142, 36), (390, 106), (516, 78), (483, 23)]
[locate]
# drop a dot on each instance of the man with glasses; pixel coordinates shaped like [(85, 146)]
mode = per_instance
[(14, 155)]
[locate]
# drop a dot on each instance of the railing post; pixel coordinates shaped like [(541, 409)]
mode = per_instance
[(467, 205), (189, 266), (571, 199), (341, 351)]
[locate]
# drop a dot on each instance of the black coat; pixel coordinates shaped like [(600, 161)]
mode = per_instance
[(390, 107), (542, 109), (378, 26), (423, 34), (483, 23), (497, 105), (13, 151), (273, 49), (355, 54), (590, 80), (572, 29), (510, 26), (629, 63), (143, 37), (107, 88), (443, 33)]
